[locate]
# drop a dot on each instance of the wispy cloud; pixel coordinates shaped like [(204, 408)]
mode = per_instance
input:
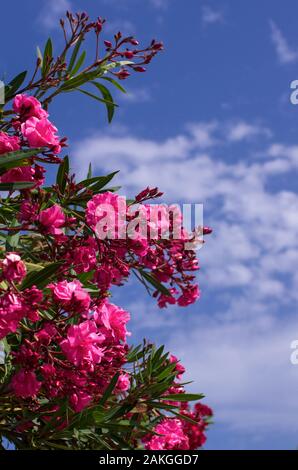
[(160, 4), (240, 344), (211, 16), (138, 95), (285, 53), (242, 130), (52, 11)]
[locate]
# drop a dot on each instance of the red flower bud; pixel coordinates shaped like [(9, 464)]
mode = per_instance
[(108, 44), (128, 54), (139, 69), (134, 42), (207, 230), (122, 74)]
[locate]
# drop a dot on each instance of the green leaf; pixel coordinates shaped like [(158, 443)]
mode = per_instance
[(183, 397), (47, 56), (63, 171), (134, 354), (40, 278), (110, 105), (115, 83), (12, 159), (16, 186), (89, 174), (114, 65), (74, 54), (79, 64), (109, 390), (98, 182), (79, 80), (14, 84), (12, 241), (155, 283)]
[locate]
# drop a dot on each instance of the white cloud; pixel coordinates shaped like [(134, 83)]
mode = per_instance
[(211, 16), (52, 11), (285, 53), (138, 95), (238, 352), (160, 4), (243, 130), (244, 368)]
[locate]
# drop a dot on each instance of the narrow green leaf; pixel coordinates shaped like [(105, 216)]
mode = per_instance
[(183, 397), (155, 283), (14, 84), (62, 172), (89, 174), (110, 105), (115, 83), (47, 56), (8, 160), (79, 64), (16, 186), (109, 390), (75, 53), (98, 181), (40, 278)]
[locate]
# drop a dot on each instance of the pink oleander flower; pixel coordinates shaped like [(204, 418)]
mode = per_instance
[(28, 106), (123, 383), (82, 342), (189, 296), (179, 367), (11, 312), (52, 219), (46, 334), (106, 214), (23, 173), (41, 133), (172, 436), (71, 295), (80, 400), (25, 384), (83, 258), (114, 319), (8, 143), (13, 268)]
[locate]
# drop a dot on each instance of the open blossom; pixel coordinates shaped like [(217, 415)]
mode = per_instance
[(114, 319), (196, 432), (25, 384), (82, 343), (71, 295), (13, 268), (106, 213), (172, 436), (189, 296), (41, 133), (8, 143), (179, 367), (123, 383), (28, 106), (52, 219), (24, 173), (80, 400)]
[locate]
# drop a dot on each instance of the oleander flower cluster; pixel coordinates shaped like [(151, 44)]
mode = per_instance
[(71, 378)]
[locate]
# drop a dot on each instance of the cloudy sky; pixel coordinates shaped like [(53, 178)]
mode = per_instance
[(211, 122)]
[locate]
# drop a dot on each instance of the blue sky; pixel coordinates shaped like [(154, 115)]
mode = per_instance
[(210, 122)]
